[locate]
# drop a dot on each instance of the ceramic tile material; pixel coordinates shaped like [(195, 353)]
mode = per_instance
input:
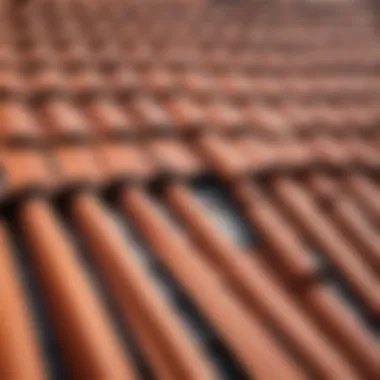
[(189, 190)]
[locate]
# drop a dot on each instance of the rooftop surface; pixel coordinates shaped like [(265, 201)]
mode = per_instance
[(189, 190)]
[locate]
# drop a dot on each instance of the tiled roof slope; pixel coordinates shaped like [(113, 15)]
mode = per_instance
[(189, 190)]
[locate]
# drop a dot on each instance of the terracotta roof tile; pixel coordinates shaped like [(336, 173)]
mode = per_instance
[(107, 118), (123, 81), (47, 82), (185, 114), (174, 158), (24, 171), (75, 308), (149, 116), (16, 324), (210, 296), (61, 119), (125, 162), (18, 122), (318, 229), (256, 287), (11, 83), (348, 217), (189, 190), (172, 351)]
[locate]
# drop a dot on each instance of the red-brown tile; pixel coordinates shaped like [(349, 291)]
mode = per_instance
[(258, 290), (76, 166), (207, 292), (19, 342), (187, 117), (18, 123), (149, 116), (80, 321), (333, 245), (174, 158), (107, 118), (127, 162), (62, 120), (126, 277), (348, 216)]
